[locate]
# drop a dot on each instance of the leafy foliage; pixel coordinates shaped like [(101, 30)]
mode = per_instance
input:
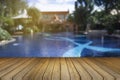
[(8, 24), (34, 13), (28, 30), (8, 9), (108, 5), (32, 25), (11, 7), (70, 18), (82, 12), (4, 35)]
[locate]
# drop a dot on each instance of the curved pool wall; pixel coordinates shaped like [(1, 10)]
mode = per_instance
[(61, 45)]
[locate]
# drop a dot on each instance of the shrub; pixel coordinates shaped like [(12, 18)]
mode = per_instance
[(98, 27), (4, 35), (57, 27), (110, 30), (28, 30), (8, 24), (36, 29)]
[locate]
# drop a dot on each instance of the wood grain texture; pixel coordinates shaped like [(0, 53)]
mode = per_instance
[(60, 68)]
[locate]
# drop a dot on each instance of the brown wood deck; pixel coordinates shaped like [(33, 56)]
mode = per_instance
[(59, 68)]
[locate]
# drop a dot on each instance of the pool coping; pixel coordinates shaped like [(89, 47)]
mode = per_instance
[(4, 42)]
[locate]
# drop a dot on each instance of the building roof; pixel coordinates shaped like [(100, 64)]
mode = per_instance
[(23, 15), (55, 12)]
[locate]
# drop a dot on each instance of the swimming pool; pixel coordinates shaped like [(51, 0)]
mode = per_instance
[(61, 45)]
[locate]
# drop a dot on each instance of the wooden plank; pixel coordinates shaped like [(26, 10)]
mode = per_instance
[(107, 69), (3, 60), (42, 69), (105, 75), (95, 75), (48, 73), (6, 67), (60, 69), (56, 70), (24, 71), (15, 70), (82, 72), (74, 75), (6, 64), (64, 70), (30, 75), (113, 63)]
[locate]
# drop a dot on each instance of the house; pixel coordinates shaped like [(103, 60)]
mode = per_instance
[(54, 15)]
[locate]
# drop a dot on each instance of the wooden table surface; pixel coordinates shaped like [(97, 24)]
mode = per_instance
[(60, 68)]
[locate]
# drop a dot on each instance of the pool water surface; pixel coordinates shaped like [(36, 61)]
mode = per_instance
[(61, 45)]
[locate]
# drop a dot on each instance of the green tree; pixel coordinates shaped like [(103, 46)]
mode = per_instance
[(70, 18), (12, 7), (105, 17), (108, 6), (82, 12), (35, 14), (8, 9)]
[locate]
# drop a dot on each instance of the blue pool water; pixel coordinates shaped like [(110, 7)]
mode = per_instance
[(61, 45)]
